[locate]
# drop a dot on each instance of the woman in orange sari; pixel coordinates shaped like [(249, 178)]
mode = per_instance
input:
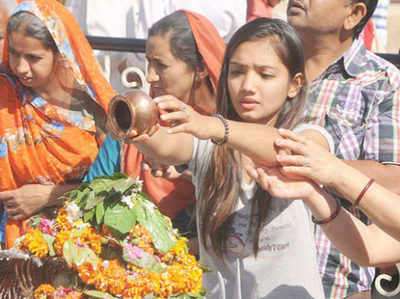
[(52, 110), (184, 53)]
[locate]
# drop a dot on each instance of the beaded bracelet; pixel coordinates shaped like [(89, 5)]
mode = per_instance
[(226, 128), (330, 218)]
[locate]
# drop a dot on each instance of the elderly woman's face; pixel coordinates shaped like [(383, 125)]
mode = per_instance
[(166, 73)]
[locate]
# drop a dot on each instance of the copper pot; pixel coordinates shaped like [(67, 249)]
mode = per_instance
[(133, 112)]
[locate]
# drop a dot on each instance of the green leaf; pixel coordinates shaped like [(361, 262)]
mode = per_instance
[(157, 224), (120, 218), (93, 200), (145, 261), (75, 195), (100, 213), (98, 294), (123, 185), (34, 221), (82, 198), (67, 252), (88, 216), (77, 255), (49, 240), (81, 255)]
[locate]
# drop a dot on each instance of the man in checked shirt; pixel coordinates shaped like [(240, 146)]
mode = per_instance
[(355, 95)]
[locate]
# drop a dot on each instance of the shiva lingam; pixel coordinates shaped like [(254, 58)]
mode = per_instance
[(133, 113)]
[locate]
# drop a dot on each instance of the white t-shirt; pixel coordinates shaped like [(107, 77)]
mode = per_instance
[(286, 264)]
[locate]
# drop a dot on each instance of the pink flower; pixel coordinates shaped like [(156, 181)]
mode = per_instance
[(45, 226), (62, 292), (133, 252)]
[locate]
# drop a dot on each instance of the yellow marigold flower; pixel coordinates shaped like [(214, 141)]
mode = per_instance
[(61, 238), (35, 243), (140, 232), (91, 239), (178, 251), (44, 291)]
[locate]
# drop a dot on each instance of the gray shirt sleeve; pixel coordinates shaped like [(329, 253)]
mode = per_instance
[(201, 157)]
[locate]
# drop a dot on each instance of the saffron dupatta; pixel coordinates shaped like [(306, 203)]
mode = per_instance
[(172, 196), (41, 143)]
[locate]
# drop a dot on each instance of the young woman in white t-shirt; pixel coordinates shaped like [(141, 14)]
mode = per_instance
[(255, 246)]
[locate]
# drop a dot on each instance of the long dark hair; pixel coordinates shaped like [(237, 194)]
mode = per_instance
[(31, 26), (221, 186), (182, 42)]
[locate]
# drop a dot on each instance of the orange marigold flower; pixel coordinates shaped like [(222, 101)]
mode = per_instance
[(44, 291), (86, 271), (62, 223)]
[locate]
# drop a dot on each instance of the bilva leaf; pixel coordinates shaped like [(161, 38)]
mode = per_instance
[(157, 225), (81, 255), (88, 216), (100, 213), (120, 218), (67, 252), (49, 240), (92, 201), (122, 185)]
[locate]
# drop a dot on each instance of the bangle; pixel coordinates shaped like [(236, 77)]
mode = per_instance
[(226, 130), (362, 193), (330, 218)]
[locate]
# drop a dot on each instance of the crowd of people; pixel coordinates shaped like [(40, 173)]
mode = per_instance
[(280, 136)]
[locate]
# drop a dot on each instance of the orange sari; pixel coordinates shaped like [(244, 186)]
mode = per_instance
[(41, 143), (172, 196)]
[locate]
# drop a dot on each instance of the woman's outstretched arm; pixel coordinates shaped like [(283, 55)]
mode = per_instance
[(365, 244), (173, 145)]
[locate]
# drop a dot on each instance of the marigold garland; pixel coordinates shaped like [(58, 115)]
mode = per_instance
[(44, 291), (35, 243), (141, 270)]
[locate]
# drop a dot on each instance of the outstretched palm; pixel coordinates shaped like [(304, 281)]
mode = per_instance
[(280, 186)]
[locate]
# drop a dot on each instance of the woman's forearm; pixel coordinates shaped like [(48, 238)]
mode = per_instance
[(364, 244), (168, 149), (381, 205), (258, 141), (255, 141)]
